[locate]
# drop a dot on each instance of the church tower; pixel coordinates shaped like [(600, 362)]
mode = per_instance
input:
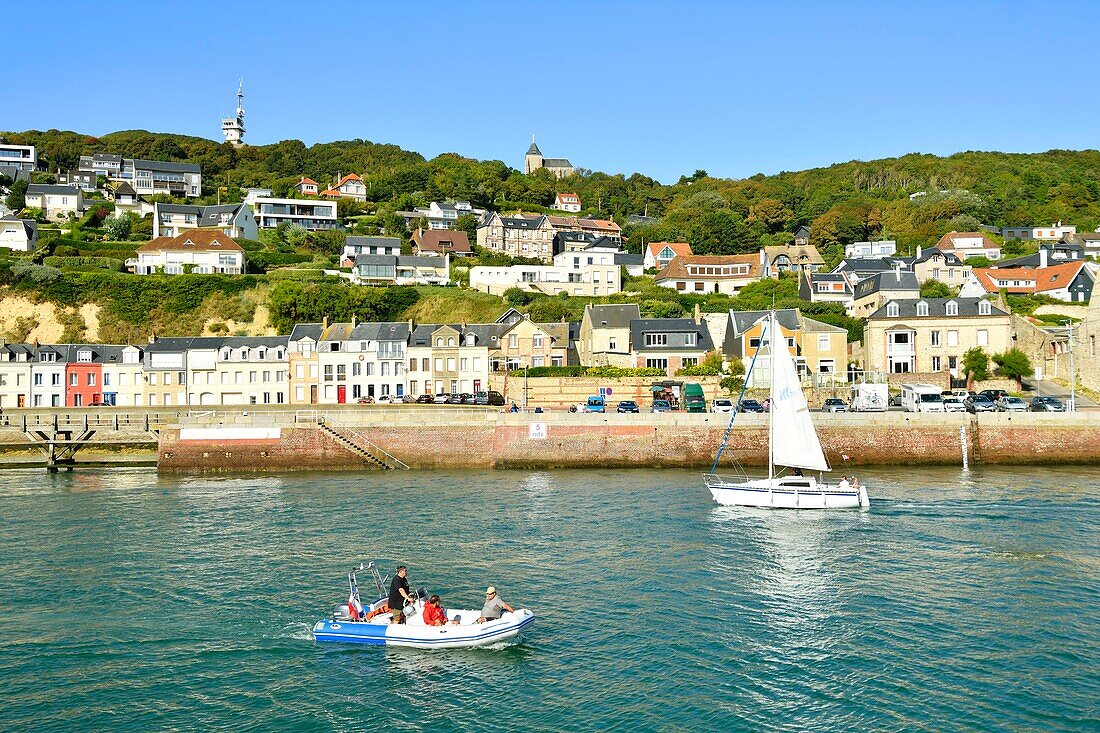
[(233, 127), (533, 160)]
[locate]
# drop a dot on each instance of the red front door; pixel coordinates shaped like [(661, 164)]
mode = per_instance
[(341, 394)]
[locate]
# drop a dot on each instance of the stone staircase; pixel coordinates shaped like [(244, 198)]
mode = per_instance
[(358, 444)]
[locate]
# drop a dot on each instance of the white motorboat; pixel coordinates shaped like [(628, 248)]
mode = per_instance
[(355, 624), (792, 444)]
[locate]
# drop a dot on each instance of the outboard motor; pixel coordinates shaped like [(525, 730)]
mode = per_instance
[(340, 613)]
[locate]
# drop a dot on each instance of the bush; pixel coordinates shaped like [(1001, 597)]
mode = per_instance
[(549, 371), (733, 383), (100, 263)]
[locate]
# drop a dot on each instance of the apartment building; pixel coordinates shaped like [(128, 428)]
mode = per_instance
[(930, 335), (817, 348), (18, 157), (517, 236), (604, 335), (311, 214)]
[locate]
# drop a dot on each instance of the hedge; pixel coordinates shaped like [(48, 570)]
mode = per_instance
[(101, 263), (609, 372)]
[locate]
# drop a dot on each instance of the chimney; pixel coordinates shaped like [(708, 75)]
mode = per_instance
[(897, 271), (324, 323), (152, 338), (1043, 256), (354, 320), (410, 325), (698, 315), (919, 249)]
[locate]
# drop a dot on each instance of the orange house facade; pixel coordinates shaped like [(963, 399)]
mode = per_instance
[(83, 380)]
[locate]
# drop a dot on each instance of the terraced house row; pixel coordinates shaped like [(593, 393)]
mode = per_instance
[(334, 363)]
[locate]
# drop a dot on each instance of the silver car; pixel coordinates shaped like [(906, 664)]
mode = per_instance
[(721, 405), (1009, 403), (953, 404)]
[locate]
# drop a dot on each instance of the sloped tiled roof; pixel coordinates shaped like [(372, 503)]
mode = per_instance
[(441, 240), (1053, 277), (678, 248), (678, 268), (192, 240)]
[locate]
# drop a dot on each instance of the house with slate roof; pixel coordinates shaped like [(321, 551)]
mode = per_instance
[(669, 343), (18, 235), (930, 335), (604, 334), (56, 202), (232, 220), (825, 287), (870, 293), (817, 348), (517, 236), (357, 245)]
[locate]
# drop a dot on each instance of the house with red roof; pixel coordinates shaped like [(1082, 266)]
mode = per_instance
[(710, 273), (969, 244), (659, 254), (1068, 281), (199, 251), (307, 186), (349, 186), (441, 241), (567, 202)]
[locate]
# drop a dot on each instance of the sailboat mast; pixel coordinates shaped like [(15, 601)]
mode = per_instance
[(771, 403)]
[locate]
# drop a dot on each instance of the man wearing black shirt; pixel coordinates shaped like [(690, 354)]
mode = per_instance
[(399, 594)]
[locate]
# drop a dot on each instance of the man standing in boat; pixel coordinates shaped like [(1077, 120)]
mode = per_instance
[(399, 594)]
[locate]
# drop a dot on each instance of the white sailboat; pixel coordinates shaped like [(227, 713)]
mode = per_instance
[(792, 443)]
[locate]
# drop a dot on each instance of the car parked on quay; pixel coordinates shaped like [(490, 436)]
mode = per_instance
[(834, 404), (994, 394), (492, 397), (425, 399), (952, 403), (627, 406), (750, 406), (1046, 403), (1008, 403), (979, 403), (721, 405), (661, 406)]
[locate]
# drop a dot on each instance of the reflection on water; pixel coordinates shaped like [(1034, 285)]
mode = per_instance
[(959, 601)]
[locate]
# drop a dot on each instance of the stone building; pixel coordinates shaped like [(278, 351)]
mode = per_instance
[(534, 160)]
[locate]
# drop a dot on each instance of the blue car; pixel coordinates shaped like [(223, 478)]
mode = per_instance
[(595, 404)]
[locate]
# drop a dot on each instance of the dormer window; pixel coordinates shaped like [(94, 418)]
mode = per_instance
[(984, 308), (891, 310), (261, 354), (84, 356), (922, 308), (225, 354), (451, 341), (279, 354), (439, 341), (952, 308), (470, 340), (244, 354)]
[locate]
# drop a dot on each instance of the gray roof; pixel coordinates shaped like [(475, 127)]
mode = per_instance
[(421, 261), (744, 320), (613, 316), (390, 260), (49, 188), (905, 280), (534, 149), (949, 258), (860, 265), (165, 166), (357, 241), (30, 226), (802, 231), (170, 344), (1075, 252), (671, 326), (517, 222), (629, 260), (937, 307), (109, 157), (15, 173), (306, 330), (207, 216), (556, 163)]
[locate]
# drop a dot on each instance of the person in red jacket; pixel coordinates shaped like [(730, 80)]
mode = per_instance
[(433, 613)]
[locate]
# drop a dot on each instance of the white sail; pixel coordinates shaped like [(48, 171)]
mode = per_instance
[(794, 440)]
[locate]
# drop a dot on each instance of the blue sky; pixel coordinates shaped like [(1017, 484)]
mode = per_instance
[(653, 87)]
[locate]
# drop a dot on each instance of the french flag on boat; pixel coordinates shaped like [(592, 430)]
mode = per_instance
[(355, 608)]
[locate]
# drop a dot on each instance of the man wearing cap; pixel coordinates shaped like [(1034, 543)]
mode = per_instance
[(493, 607), (399, 594)]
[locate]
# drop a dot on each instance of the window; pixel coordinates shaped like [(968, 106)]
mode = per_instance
[(513, 341), (73, 379), (952, 338), (451, 341), (689, 361), (536, 341), (656, 339), (984, 308), (341, 373), (935, 335), (612, 344), (328, 372), (891, 310), (952, 308), (691, 339), (656, 364), (922, 308), (91, 379), (438, 364), (983, 337), (37, 380), (935, 363), (356, 369), (823, 342), (84, 356), (252, 377), (107, 379)]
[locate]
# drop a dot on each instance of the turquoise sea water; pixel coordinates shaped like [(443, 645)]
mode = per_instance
[(133, 602)]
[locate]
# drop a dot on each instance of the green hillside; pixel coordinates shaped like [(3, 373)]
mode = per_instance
[(843, 203)]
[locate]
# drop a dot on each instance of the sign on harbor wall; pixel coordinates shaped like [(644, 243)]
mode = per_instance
[(537, 431)]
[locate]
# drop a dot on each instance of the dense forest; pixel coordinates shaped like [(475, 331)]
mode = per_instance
[(842, 203)]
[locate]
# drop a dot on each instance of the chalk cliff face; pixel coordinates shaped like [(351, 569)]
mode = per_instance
[(448, 439)]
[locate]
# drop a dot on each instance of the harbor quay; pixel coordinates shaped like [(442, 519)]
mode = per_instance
[(445, 436)]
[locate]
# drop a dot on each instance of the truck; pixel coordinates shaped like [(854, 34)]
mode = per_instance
[(694, 400), (868, 397), (921, 398)]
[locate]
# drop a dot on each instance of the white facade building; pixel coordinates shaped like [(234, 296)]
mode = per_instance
[(199, 251), (18, 235), (309, 213), (871, 250), (22, 157), (57, 202), (232, 220), (1052, 233)]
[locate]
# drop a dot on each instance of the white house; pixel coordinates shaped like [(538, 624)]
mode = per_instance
[(350, 186), (710, 273), (233, 220), (969, 244), (355, 246), (19, 235), (22, 157), (659, 254), (602, 277), (1052, 233), (871, 250), (47, 377), (360, 360), (57, 202), (150, 177), (399, 270), (200, 251), (307, 187), (567, 202), (309, 213)]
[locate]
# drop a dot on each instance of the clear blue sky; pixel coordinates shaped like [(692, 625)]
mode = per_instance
[(660, 88)]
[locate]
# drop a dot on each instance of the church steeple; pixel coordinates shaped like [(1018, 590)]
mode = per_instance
[(534, 149), (533, 160)]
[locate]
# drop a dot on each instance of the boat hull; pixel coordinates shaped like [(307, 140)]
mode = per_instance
[(420, 636), (781, 494)]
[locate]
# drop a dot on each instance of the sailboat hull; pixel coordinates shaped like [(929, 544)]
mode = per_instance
[(789, 492)]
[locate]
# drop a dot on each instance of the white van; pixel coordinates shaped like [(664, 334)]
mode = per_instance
[(921, 398)]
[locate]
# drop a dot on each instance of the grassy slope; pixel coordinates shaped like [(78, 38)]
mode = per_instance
[(454, 305)]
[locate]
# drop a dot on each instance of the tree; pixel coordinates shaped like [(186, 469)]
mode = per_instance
[(467, 223), (17, 196), (118, 227), (936, 289), (772, 213), (976, 365), (296, 235), (1014, 364)]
